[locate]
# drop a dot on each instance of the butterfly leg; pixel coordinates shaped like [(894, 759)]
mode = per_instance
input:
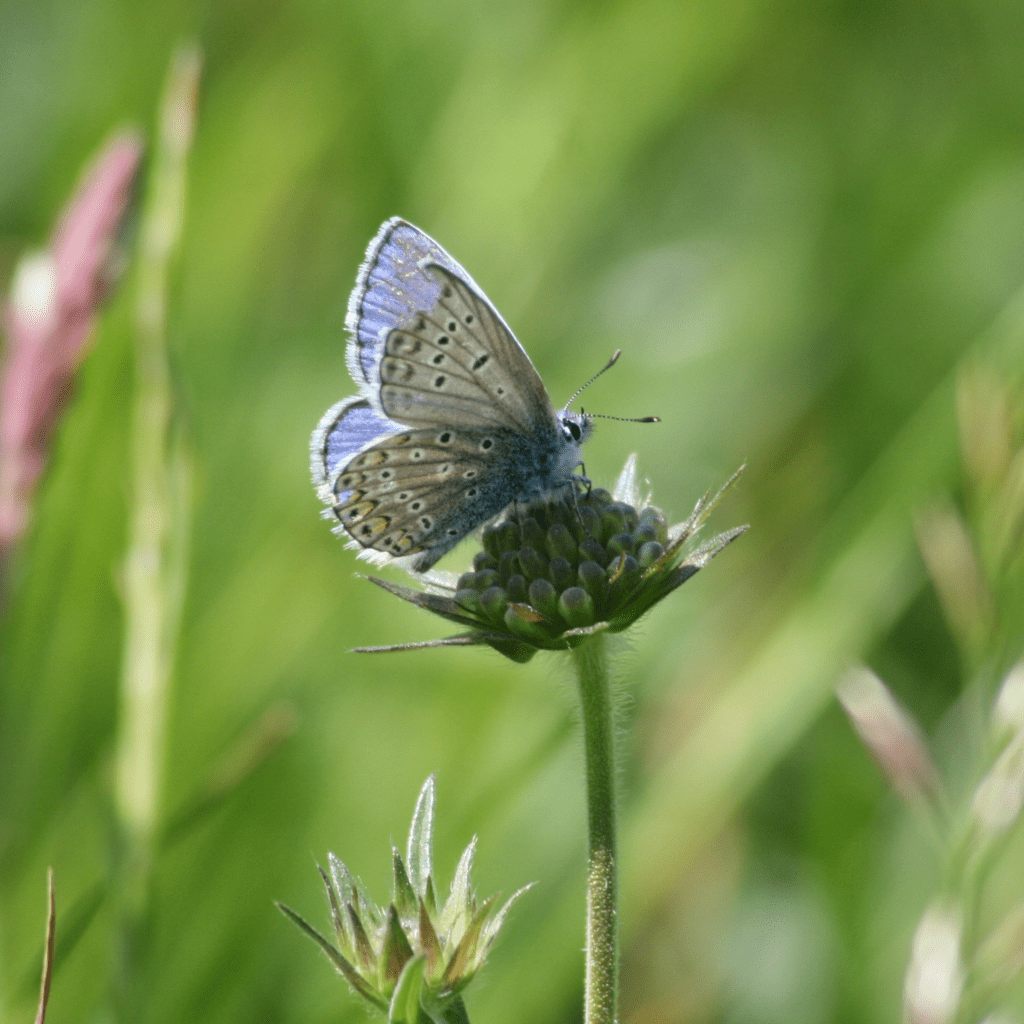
[(576, 481)]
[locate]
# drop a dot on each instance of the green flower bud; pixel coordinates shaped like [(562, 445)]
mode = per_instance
[(652, 519), (501, 538), (618, 544), (486, 578), (413, 958), (516, 588), (649, 553), (469, 600), (587, 524), (534, 565), (560, 543), (533, 535), (576, 607), (629, 514), (482, 560), (592, 550), (561, 574), (543, 596), (509, 565), (494, 601), (593, 580)]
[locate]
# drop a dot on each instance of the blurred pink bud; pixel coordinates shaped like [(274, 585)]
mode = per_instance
[(48, 319), (890, 734)]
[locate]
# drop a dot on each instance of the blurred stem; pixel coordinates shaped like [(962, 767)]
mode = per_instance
[(602, 967), (155, 560), (51, 928)]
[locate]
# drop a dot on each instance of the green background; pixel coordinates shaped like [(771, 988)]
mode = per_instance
[(796, 220)]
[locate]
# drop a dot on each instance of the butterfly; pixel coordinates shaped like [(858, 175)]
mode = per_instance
[(452, 423)]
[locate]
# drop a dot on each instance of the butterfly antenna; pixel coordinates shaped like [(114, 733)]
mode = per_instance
[(607, 366), (621, 419)]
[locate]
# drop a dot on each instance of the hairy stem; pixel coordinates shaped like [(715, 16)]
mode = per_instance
[(602, 967)]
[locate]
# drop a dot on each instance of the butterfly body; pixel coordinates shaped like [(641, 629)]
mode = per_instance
[(452, 423)]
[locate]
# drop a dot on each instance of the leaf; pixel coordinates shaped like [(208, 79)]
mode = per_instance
[(396, 952), (429, 942), (405, 897), (461, 967), (420, 835), (460, 640), (367, 957), (455, 909), (343, 966), (492, 927), (341, 932), (405, 1000), (443, 606)]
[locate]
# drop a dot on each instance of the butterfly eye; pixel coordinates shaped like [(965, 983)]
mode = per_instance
[(574, 430)]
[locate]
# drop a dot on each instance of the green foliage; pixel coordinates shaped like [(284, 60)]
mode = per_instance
[(797, 221)]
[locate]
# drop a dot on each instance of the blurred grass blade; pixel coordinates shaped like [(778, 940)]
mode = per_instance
[(155, 563), (860, 591), (51, 927)]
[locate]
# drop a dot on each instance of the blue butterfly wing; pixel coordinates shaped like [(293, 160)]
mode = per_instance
[(405, 276), (390, 289), (344, 430)]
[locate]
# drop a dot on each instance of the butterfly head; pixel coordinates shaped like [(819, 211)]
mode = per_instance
[(575, 426)]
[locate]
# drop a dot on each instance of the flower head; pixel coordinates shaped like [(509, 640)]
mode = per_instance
[(417, 955), (556, 571)]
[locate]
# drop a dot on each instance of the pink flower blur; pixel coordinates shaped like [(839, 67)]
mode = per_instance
[(48, 320)]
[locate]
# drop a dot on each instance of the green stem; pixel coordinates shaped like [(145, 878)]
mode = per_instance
[(602, 968)]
